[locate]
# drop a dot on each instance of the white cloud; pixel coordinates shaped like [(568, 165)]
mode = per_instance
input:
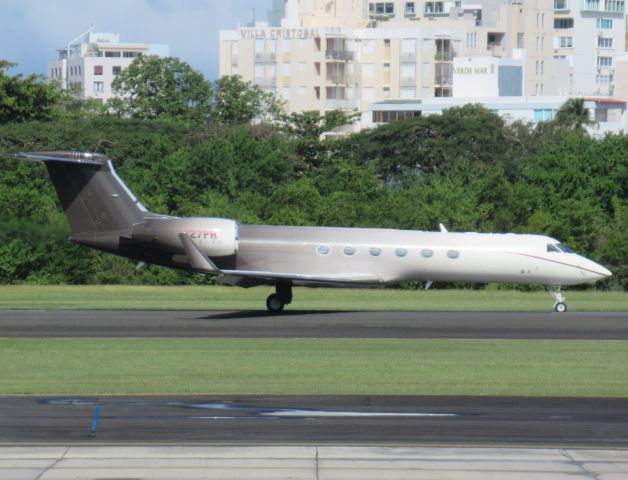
[(31, 30)]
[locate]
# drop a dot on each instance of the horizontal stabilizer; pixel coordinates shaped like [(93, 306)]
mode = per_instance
[(63, 157)]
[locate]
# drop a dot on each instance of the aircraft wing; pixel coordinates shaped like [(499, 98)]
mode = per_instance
[(202, 264)]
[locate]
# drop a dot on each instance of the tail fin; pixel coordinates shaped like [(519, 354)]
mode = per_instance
[(94, 198)]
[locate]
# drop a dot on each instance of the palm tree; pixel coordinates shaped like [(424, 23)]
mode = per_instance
[(574, 114)]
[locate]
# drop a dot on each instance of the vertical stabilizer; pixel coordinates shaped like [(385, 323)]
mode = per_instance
[(93, 197)]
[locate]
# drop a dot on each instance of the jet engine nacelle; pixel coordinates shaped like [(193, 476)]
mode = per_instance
[(216, 237)]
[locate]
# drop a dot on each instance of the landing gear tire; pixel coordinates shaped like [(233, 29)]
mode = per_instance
[(274, 303), (560, 307)]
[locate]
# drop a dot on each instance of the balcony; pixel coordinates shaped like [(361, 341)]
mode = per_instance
[(340, 79), (606, 6), (408, 57), (444, 80), (265, 57), (342, 103), (339, 55), (444, 56), (407, 82), (266, 82)]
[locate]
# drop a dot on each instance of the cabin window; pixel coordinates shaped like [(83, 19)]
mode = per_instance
[(427, 253), (453, 253), (401, 252), (349, 251), (375, 251), (552, 248), (323, 249)]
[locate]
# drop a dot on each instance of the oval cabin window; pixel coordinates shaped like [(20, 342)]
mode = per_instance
[(401, 252), (453, 253), (427, 253), (375, 251), (349, 251), (323, 250)]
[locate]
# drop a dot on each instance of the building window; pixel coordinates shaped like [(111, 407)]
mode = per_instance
[(286, 93), (543, 114), (604, 61), (116, 70), (131, 54), (604, 79), (112, 54), (98, 69), (99, 87), (472, 39), (382, 8), (561, 5), (375, 251), (566, 42), (434, 8), (349, 251), (604, 42), (409, 9), (563, 23), (593, 5), (601, 115), (287, 69), (615, 6), (605, 23), (394, 116)]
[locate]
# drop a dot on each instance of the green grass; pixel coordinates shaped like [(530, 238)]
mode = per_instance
[(313, 366), (231, 298)]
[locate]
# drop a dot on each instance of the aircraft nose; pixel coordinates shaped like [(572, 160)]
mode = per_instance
[(596, 269)]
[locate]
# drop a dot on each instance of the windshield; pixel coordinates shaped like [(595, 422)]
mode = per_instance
[(558, 248)]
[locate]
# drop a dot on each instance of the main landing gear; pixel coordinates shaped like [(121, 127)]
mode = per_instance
[(282, 297), (560, 306)]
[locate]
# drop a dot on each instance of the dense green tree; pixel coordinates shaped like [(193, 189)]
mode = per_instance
[(162, 88), (24, 99), (465, 168), (306, 130), (237, 102)]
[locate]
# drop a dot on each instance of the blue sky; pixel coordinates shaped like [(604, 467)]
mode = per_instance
[(32, 30)]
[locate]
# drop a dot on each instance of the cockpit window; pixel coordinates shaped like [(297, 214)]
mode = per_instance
[(552, 248), (564, 248), (558, 248)]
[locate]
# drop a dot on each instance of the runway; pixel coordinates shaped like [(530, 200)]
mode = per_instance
[(314, 324), (308, 420)]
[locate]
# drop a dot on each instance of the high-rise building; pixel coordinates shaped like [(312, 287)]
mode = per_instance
[(88, 64), (327, 54)]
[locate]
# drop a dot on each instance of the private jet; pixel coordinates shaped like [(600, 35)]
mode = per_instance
[(104, 214)]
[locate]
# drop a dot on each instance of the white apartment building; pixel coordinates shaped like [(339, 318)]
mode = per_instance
[(589, 35), (326, 54), (88, 64)]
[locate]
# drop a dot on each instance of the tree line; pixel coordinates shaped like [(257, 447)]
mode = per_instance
[(186, 146)]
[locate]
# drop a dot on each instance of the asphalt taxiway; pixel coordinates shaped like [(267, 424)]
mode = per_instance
[(306, 420), (314, 324)]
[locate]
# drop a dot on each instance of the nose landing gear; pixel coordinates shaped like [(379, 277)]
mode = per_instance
[(560, 306), (282, 297)]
